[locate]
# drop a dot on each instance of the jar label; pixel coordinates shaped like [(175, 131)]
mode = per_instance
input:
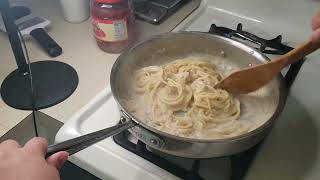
[(110, 30)]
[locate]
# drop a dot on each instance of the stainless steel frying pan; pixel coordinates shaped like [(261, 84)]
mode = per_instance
[(165, 48)]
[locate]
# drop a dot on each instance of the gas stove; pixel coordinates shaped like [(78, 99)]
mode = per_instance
[(289, 152)]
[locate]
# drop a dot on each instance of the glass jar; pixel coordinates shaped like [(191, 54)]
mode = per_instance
[(113, 23)]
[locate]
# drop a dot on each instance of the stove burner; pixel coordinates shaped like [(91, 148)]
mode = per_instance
[(239, 163), (194, 172), (141, 150), (272, 46)]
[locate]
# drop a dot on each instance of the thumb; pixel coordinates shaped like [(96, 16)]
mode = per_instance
[(58, 159)]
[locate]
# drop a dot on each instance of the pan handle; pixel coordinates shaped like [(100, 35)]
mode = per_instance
[(144, 135), (79, 143)]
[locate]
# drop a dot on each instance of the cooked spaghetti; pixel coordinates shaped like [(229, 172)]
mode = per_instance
[(179, 98)]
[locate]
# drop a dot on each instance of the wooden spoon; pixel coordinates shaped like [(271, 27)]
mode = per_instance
[(252, 78)]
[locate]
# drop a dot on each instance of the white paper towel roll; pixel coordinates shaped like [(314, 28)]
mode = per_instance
[(75, 11)]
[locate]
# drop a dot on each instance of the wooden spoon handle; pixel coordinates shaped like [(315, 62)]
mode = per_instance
[(299, 52)]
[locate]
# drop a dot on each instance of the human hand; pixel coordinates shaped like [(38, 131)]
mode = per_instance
[(28, 162), (316, 27)]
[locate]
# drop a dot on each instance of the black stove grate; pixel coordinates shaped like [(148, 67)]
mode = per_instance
[(241, 162), (140, 149)]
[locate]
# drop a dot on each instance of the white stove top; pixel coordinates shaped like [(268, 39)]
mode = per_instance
[(289, 152)]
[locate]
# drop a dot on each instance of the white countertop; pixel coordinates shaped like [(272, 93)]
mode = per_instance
[(79, 50)]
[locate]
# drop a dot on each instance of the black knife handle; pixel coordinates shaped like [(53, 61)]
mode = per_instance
[(46, 42)]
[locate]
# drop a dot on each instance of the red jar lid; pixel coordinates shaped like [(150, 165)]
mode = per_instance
[(108, 1)]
